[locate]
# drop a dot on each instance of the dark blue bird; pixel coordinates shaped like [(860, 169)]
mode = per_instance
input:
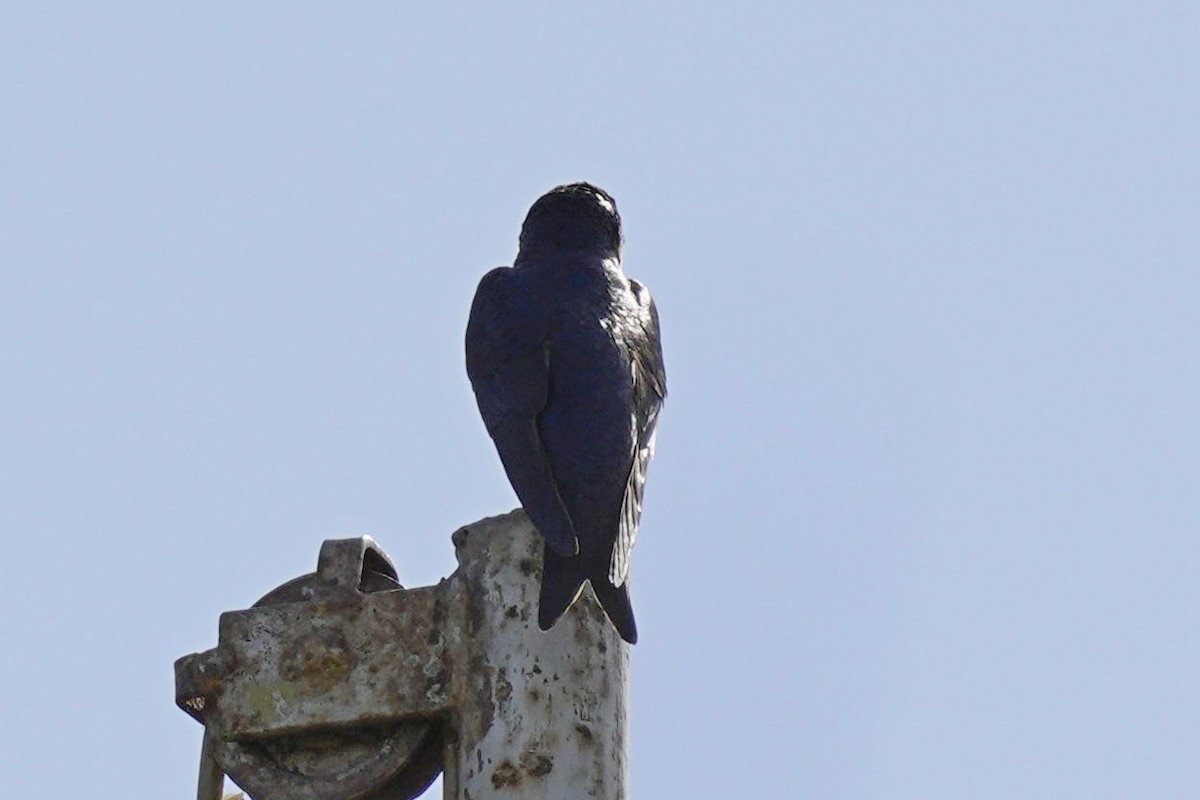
[(563, 352)]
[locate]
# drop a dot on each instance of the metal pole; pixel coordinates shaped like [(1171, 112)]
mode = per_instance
[(212, 780), (335, 689), (547, 714)]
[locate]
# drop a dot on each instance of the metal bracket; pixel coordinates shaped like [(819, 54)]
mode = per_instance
[(341, 685), (329, 686)]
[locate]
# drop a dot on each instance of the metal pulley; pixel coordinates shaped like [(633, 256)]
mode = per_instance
[(309, 693), (341, 685)]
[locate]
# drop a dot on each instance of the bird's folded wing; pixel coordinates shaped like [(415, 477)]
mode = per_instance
[(507, 362), (649, 391)]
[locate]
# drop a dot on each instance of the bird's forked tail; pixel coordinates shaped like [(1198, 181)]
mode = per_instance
[(562, 582)]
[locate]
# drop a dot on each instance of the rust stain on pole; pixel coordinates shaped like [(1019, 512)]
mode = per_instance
[(341, 684), (546, 714)]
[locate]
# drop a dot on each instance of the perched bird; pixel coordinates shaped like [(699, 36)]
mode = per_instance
[(564, 355)]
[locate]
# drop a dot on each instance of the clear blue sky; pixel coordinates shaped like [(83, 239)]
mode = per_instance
[(923, 524)]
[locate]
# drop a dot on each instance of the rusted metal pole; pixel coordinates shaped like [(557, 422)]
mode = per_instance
[(546, 714), (211, 785), (341, 685)]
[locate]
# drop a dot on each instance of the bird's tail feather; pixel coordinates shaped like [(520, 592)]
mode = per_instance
[(615, 602), (562, 581)]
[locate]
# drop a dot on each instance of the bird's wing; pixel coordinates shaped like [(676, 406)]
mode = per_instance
[(507, 362), (649, 391)]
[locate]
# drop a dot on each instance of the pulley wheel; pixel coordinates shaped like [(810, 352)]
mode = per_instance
[(397, 761)]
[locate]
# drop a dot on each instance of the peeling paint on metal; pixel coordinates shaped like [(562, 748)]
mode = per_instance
[(554, 691), (335, 682)]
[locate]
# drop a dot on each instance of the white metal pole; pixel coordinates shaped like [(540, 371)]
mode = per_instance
[(548, 711)]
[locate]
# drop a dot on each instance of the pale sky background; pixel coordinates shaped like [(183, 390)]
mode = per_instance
[(923, 523)]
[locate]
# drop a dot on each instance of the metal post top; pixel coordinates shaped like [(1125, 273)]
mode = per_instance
[(342, 685)]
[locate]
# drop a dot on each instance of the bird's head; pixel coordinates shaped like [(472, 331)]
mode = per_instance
[(577, 216)]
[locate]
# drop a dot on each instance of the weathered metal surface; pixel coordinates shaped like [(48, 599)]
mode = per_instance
[(342, 658), (545, 713), (361, 765), (359, 660), (211, 785), (322, 691), (340, 685)]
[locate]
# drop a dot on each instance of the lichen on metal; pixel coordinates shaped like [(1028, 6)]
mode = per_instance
[(341, 685), (300, 697)]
